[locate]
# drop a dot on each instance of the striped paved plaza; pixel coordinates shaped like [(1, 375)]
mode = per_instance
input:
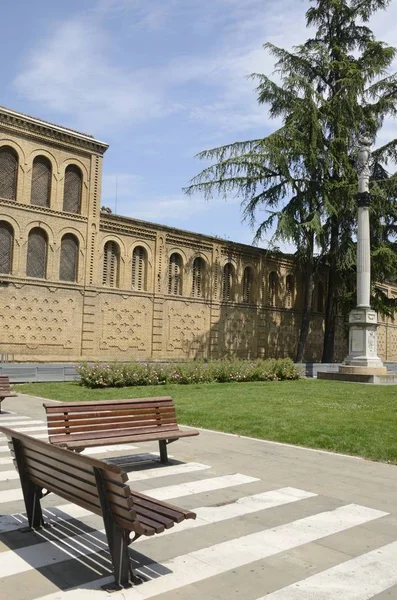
[(252, 539)]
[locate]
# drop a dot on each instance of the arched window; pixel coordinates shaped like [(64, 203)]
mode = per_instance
[(198, 278), (228, 282), (111, 262), (41, 182), (36, 265), (248, 281), (139, 268), (290, 291), (72, 189), (69, 258), (175, 275), (8, 173), (320, 297), (6, 247), (273, 288)]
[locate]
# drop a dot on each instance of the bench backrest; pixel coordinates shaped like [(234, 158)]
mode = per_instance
[(4, 384), (86, 419), (72, 476)]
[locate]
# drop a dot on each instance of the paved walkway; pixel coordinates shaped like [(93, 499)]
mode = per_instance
[(273, 521)]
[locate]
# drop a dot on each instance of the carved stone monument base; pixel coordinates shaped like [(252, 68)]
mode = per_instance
[(363, 344)]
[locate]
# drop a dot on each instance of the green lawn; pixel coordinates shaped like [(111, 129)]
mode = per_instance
[(342, 417)]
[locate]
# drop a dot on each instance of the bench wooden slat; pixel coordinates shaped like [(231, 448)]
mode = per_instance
[(96, 416), (106, 426), (70, 457), (89, 483), (167, 435), (109, 433), (139, 496), (166, 512), (120, 489), (81, 406)]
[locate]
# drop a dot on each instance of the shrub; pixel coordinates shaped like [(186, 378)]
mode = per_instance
[(221, 371)]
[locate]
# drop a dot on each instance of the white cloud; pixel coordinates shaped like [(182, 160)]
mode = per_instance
[(72, 72)]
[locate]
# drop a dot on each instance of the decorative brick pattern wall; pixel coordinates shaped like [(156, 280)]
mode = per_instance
[(45, 319)]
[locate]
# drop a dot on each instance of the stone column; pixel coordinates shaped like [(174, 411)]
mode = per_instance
[(363, 321)]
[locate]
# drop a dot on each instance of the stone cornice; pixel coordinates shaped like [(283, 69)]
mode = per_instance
[(124, 229), (42, 210), (48, 131), (182, 241)]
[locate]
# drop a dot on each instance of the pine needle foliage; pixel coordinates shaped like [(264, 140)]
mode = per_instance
[(325, 92)]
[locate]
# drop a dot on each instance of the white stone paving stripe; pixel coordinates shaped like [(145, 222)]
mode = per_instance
[(205, 514), (40, 427), (37, 436), (197, 487), (138, 475), (360, 578), (43, 554), (93, 450), (172, 491), (115, 448), (166, 470), (6, 475), (9, 422), (201, 564)]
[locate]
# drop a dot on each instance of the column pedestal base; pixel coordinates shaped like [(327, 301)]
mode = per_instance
[(363, 344)]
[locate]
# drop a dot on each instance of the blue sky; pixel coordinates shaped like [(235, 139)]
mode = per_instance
[(159, 80)]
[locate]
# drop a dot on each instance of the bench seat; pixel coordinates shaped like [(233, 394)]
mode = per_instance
[(79, 425), (95, 485)]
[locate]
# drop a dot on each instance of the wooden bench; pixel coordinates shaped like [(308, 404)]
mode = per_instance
[(95, 485), (79, 425), (5, 389)]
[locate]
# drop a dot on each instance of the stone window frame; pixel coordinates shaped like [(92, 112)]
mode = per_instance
[(70, 234), (175, 274), (32, 261), (111, 276), (42, 157), (139, 281), (229, 282), (273, 289), (199, 279), (290, 290), (4, 147), (248, 285), (7, 226), (70, 167)]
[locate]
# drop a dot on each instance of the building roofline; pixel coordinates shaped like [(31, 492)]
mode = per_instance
[(85, 137), (175, 230)]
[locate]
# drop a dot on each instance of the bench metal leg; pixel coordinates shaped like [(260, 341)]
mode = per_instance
[(118, 541), (31, 492), (163, 451)]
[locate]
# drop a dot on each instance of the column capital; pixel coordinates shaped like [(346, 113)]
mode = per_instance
[(363, 199)]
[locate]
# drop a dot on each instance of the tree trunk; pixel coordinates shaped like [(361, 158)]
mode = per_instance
[(331, 305), (330, 329), (306, 311)]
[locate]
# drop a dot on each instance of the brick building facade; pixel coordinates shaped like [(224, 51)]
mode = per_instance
[(79, 283)]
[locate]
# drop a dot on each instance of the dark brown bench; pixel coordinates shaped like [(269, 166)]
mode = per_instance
[(5, 389), (79, 425), (95, 485)]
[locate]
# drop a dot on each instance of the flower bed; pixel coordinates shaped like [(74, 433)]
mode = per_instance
[(221, 371)]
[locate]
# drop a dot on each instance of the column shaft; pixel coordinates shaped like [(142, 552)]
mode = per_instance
[(363, 259)]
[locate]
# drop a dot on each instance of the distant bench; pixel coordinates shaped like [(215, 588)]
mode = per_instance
[(95, 485), (5, 389), (79, 425)]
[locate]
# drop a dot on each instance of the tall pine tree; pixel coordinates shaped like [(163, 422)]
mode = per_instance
[(332, 88)]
